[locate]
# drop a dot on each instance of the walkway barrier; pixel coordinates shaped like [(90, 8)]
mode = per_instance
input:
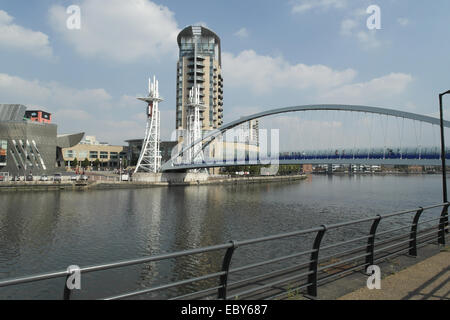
[(404, 233)]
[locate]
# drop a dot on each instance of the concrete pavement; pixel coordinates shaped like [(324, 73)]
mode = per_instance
[(426, 280)]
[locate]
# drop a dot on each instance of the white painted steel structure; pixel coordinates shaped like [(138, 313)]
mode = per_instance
[(194, 126), (173, 164), (150, 157)]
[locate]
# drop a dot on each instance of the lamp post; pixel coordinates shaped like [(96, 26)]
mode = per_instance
[(444, 170)]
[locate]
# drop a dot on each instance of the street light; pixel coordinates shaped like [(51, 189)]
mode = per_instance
[(444, 169)]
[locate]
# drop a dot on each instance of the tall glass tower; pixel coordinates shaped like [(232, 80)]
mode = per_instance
[(199, 65)]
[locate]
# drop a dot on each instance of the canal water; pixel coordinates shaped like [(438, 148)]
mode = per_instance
[(48, 231)]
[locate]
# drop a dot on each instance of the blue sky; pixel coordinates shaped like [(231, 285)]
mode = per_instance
[(275, 53)]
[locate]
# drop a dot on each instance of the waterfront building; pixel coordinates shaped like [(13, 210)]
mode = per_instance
[(107, 155), (30, 146), (199, 65)]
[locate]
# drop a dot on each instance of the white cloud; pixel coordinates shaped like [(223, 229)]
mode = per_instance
[(301, 6), (123, 31), (265, 73), (356, 28), (403, 22), (93, 111), (52, 95), (375, 91), (71, 115), (368, 39), (17, 38), (14, 89), (348, 26), (242, 33)]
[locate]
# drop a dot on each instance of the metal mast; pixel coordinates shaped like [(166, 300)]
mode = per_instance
[(150, 157), (194, 126)]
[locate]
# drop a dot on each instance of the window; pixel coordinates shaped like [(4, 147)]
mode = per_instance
[(114, 155), (82, 155), (69, 154), (103, 154), (93, 154)]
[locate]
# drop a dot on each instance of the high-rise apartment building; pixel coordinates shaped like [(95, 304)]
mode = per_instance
[(199, 65), (249, 132)]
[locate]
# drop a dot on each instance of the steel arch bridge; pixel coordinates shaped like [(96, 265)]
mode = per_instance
[(372, 157)]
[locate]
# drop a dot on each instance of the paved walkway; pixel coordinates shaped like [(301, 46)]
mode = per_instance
[(427, 280)]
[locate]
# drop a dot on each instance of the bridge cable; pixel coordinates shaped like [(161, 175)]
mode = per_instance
[(420, 139), (385, 136), (434, 137), (415, 135), (401, 138), (332, 144), (355, 115), (370, 137)]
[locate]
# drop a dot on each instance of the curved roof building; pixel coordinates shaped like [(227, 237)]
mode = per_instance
[(28, 146)]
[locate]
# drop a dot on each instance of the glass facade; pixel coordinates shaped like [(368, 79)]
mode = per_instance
[(103, 155), (70, 154)]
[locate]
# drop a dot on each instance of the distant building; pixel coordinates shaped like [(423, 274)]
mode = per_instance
[(30, 146), (109, 156), (135, 146), (249, 132)]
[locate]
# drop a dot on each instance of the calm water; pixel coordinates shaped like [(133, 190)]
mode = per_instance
[(48, 231)]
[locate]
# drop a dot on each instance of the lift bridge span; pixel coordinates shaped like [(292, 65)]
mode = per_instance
[(393, 155)]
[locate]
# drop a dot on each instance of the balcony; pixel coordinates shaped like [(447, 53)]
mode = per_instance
[(192, 71), (199, 58), (199, 64), (199, 79)]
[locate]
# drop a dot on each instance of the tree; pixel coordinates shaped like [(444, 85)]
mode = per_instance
[(75, 162), (85, 163), (96, 163)]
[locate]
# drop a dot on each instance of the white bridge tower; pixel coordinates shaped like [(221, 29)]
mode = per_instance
[(150, 157), (194, 126)]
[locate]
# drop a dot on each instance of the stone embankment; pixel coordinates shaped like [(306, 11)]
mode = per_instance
[(152, 181)]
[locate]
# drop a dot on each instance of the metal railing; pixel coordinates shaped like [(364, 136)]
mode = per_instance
[(303, 277)]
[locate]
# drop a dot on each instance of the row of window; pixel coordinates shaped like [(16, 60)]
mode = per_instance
[(92, 154)]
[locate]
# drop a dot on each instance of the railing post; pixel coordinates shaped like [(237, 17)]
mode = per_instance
[(443, 223), (413, 234), (371, 242), (222, 294), (314, 262)]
